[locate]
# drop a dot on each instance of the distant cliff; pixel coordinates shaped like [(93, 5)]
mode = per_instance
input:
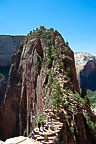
[(88, 76), (43, 75), (86, 70), (8, 45)]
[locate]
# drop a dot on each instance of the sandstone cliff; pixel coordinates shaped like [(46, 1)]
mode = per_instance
[(88, 76), (86, 69), (43, 75)]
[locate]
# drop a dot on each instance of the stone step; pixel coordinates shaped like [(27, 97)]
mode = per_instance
[(42, 138), (35, 136), (53, 121), (56, 123), (47, 142), (59, 128), (49, 133)]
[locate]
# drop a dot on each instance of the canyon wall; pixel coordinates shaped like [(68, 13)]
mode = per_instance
[(8, 46), (86, 70), (88, 76)]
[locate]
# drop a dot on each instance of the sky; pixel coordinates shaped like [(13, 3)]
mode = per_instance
[(74, 19)]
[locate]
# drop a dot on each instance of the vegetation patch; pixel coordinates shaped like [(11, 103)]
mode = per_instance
[(41, 118), (57, 96), (89, 122), (1, 76), (45, 137), (92, 97)]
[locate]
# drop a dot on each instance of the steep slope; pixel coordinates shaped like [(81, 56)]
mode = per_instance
[(43, 76)]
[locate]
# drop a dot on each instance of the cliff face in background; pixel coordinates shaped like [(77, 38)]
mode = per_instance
[(43, 69), (8, 45), (88, 76), (86, 70)]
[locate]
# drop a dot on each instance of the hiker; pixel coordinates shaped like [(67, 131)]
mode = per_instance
[(42, 123), (48, 118), (56, 138), (47, 125), (39, 125), (33, 134), (51, 117)]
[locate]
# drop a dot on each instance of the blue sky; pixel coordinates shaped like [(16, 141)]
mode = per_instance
[(74, 19)]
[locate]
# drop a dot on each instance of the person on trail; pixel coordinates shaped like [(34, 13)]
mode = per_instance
[(47, 125), (42, 123), (39, 125), (33, 134), (51, 117)]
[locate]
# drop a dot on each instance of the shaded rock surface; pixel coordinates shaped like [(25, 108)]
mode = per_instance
[(8, 45), (86, 70), (88, 76), (42, 69), (3, 85), (4, 70)]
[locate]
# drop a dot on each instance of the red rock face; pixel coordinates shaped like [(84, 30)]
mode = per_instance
[(28, 92), (10, 106), (73, 74)]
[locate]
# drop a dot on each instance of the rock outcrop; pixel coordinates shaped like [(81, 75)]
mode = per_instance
[(43, 76), (21, 140)]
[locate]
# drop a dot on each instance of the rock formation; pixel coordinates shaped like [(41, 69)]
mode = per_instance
[(43, 76), (86, 69), (88, 76)]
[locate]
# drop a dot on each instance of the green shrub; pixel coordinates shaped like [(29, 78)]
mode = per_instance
[(67, 43), (45, 137), (1, 76), (52, 128), (51, 29), (41, 118), (30, 135), (89, 122), (57, 96), (25, 132), (72, 129)]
